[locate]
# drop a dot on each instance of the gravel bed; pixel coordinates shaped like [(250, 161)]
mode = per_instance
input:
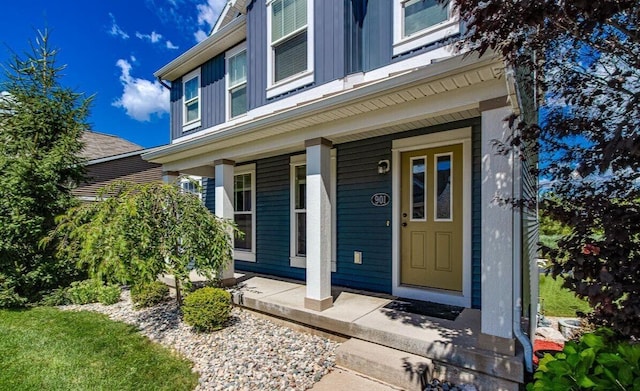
[(250, 353)]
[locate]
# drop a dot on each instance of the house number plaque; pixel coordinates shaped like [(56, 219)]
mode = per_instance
[(380, 199)]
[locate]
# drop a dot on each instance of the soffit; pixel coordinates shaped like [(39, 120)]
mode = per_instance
[(397, 90)]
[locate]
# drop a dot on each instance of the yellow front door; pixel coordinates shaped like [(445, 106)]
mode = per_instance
[(431, 218)]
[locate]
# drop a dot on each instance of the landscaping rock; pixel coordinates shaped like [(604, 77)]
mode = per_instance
[(250, 353)]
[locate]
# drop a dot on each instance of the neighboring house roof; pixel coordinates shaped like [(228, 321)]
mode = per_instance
[(100, 145)]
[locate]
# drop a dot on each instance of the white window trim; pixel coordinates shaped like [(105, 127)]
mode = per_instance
[(435, 187), (190, 178), (230, 54), (197, 122), (424, 190), (240, 254), (420, 38), (301, 262), (300, 79)]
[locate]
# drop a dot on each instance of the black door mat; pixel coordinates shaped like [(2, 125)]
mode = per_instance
[(426, 308)]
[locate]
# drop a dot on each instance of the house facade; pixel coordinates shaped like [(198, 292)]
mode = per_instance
[(354, 146), (110, 158)]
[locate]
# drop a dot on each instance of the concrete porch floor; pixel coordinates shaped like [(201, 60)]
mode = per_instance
[(435, 347)]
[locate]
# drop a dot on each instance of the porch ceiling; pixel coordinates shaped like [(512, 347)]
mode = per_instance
[(336, 116)]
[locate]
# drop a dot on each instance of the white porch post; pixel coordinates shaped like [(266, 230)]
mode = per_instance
[(318, 225), (224, 205), (497, 231)]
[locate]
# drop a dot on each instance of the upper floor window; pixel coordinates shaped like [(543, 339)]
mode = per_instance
[(290, 58), (237, 81), (420, 22), (191, 105)]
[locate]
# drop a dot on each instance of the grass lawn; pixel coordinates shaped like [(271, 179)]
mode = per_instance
[(558, 301), (48, 349)]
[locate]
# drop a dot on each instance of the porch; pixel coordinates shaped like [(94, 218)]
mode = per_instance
[(392, 345)]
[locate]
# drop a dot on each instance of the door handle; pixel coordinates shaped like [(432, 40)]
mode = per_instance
[(404, 215), (404, 224)]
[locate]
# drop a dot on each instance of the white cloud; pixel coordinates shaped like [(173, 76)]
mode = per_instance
[(170, 45), (200, 35), (115, 30), (153, 37), (141, 98), (207, 17), (133, 58)]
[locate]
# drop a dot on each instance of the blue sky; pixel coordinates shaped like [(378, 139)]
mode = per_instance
[(111, 49)]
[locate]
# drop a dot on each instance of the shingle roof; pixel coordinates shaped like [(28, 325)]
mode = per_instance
[(100, 145)]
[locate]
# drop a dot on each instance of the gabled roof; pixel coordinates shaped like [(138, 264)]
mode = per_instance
[(218, 42), (100, 145), (231, 10)]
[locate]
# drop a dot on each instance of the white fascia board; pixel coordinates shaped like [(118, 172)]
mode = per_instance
[(228, 13), (437, 70), (120, 156), (223, 39)]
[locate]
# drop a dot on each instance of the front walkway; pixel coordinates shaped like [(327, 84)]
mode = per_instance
[(449, 345)]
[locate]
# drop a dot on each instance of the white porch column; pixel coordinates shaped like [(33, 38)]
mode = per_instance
[(224, 205), (497, 231), (170, 176), (318, 225)]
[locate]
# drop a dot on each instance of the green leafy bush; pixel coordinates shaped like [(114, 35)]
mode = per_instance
[(83, 292), (109, 294), (206, 309), (149, 294), (92, 291), (595, 362), (56, 297)]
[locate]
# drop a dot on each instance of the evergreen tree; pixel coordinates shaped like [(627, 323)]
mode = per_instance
[(41, 123)]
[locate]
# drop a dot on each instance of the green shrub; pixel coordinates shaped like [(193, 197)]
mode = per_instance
[(206, 309), (147, 295), (109, 294), (56, 297), (84, 292), (595, 362), (92, 291)]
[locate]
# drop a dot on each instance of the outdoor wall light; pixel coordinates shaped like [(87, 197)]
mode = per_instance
[(383, 167)]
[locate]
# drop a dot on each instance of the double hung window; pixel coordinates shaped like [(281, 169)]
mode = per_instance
[(237, 82), (244, 212), (290, 38), (298, 244), (420, 22), (191, 105)]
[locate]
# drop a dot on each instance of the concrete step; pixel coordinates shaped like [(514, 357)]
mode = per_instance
[(410, 371), (344, 379)]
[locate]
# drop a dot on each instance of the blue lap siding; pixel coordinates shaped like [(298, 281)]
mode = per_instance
[(272, 220), (361, 226)]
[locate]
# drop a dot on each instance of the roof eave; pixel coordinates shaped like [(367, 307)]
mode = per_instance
[(437, 69), (223, 39)]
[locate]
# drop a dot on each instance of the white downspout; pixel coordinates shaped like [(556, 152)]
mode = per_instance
[(524, 340)]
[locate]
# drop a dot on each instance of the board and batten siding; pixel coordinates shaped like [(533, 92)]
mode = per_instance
[(328, 49), (175, 109), (212, 98)]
